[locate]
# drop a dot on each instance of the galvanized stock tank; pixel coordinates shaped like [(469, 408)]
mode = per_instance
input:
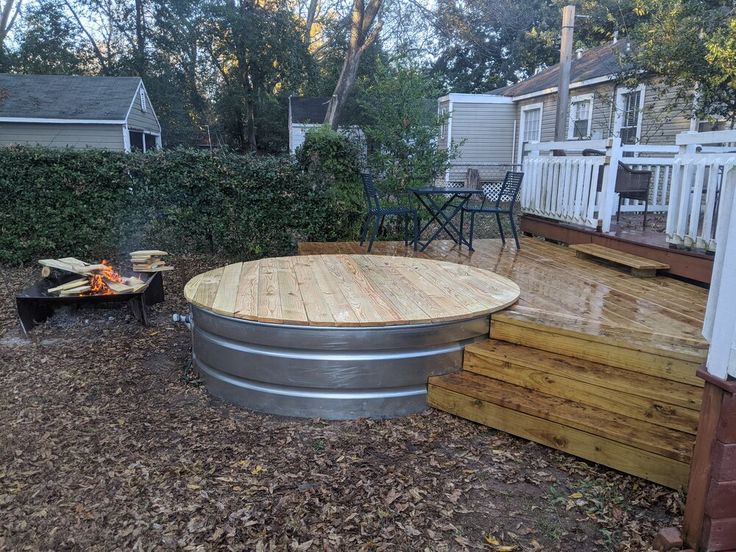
[(295, 365)]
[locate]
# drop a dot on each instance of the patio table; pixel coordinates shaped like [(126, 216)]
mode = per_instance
[(443, 211)]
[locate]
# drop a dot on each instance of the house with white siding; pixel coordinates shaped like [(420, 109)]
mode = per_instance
[(60, 111), (491, 130)]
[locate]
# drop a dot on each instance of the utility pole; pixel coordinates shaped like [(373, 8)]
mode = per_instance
[(563, 87)]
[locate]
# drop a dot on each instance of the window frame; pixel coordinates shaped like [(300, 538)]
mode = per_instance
[(580, 98), (620, 103), (522, 122)]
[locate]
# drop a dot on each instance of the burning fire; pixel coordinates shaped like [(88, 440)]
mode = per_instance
[(97, 280)]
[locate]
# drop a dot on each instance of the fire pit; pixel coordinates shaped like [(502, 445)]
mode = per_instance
[(72, 282)]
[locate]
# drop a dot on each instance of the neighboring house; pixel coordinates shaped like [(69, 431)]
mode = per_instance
[(309, 113), (112, 113), (496, 126)]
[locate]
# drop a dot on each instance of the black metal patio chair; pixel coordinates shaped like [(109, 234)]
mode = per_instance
[(377, 213), (502, 204)]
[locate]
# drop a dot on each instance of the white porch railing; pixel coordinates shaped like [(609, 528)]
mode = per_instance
[(719, 327), (570, 188), (700, 176)]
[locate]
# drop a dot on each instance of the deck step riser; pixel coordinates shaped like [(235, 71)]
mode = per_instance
[(580, 381), (582, 347), (653, 467)]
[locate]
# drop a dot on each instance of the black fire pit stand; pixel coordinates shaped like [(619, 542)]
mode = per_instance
[(35, 304)]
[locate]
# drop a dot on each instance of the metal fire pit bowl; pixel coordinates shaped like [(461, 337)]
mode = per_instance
[(35, 304)]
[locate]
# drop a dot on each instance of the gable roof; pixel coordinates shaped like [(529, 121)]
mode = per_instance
[(66, 98), (308, 110), (602, 61)]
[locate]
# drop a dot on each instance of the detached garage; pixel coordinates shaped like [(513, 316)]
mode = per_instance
[(111, 113)]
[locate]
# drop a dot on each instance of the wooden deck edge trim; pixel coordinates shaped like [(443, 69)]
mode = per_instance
[(560, 410), (686, 264), (666, 412), (653, 467), (729, 386), (508, 317)]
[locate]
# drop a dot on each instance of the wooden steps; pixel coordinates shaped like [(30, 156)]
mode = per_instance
[(639, 266), (628, 400), (539, 418), (657, 355)]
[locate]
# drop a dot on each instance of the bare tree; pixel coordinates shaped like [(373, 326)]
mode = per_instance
[(9, 10), (311, 15), (364, 30)]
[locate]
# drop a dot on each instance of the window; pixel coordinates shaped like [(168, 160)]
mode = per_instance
[(142, 141), (629, 103), (530, 127), (445, 119), (580, 117), (144, 106)]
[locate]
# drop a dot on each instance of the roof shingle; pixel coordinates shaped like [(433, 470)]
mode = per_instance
[(66, 97)]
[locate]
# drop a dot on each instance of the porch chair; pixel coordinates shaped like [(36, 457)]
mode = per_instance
[(630, 184), (377, 213), (502, 204)]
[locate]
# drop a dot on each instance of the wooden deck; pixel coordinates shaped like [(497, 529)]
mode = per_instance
[(560, 288), (591, 360), (351, 290)]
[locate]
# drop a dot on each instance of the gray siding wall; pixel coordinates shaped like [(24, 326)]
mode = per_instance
[(140, 120), (663, 118), (665, 115), (62, 135), (486, 129)]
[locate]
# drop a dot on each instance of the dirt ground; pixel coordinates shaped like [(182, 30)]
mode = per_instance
[(108, 442)]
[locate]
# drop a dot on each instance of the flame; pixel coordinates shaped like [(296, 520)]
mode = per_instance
[(97, 280)]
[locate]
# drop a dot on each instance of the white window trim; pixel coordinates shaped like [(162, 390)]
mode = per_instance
[(618, 122), (524, 109), (571, 122)]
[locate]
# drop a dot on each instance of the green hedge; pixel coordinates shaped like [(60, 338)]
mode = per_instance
[(94, 204)]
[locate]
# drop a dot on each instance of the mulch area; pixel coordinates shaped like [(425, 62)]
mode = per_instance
[(107, 441)]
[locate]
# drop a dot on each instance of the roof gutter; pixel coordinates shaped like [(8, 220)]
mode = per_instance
[(61, 121), (573, 85)]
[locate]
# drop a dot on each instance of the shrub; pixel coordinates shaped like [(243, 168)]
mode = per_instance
[(94, 204), (331, 162)]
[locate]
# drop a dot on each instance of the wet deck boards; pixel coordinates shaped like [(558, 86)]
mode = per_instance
[(351, 290)]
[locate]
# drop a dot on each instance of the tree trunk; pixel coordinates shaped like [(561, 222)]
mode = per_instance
[(140, 38), (311, 14), (8, 12), (363, 33)]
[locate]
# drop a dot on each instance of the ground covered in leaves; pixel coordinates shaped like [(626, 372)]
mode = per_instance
[(107, 442)]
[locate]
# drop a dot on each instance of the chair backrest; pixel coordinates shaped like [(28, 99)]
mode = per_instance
[(630, 180), (510, 188), (369, 189)]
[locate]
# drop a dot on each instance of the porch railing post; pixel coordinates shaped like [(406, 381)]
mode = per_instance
[(607, 195)]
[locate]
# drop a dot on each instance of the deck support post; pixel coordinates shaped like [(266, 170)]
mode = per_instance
[(709, 524), (607, 194)]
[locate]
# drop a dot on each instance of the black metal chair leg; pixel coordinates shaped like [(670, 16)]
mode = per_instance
[(462, 227), (416, 230), (513, 230), (406, 229), (472, 230), (364, 228), (500, 228), (374, 231), (618, 213), (646, 208)]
